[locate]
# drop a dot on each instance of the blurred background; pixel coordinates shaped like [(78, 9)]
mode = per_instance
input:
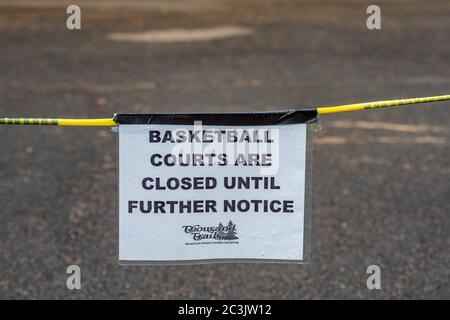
[(380, 178)]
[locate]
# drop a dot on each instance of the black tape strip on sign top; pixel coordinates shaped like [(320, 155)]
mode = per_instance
[(232, 119)]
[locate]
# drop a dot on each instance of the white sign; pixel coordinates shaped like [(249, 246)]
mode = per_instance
[(193, 193)]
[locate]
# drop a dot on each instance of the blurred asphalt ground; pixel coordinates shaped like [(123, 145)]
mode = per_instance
[(381, 178)]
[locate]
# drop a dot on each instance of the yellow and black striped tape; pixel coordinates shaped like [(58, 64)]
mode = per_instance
[(109, 122), (380, 104), (59, 122), (29, 121)]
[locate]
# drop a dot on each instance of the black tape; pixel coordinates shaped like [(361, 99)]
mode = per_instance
[(229, 119)]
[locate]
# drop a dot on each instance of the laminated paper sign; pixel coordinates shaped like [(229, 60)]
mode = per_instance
[(218, 187)]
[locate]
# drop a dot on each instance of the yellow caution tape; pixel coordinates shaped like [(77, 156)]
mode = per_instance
[(109, 122), (379, 104), (60, 122)]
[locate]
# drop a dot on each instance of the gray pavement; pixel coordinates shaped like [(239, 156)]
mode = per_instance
[(380, 178)]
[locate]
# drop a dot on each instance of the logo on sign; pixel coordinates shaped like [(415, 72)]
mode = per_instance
[(219, 232)]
